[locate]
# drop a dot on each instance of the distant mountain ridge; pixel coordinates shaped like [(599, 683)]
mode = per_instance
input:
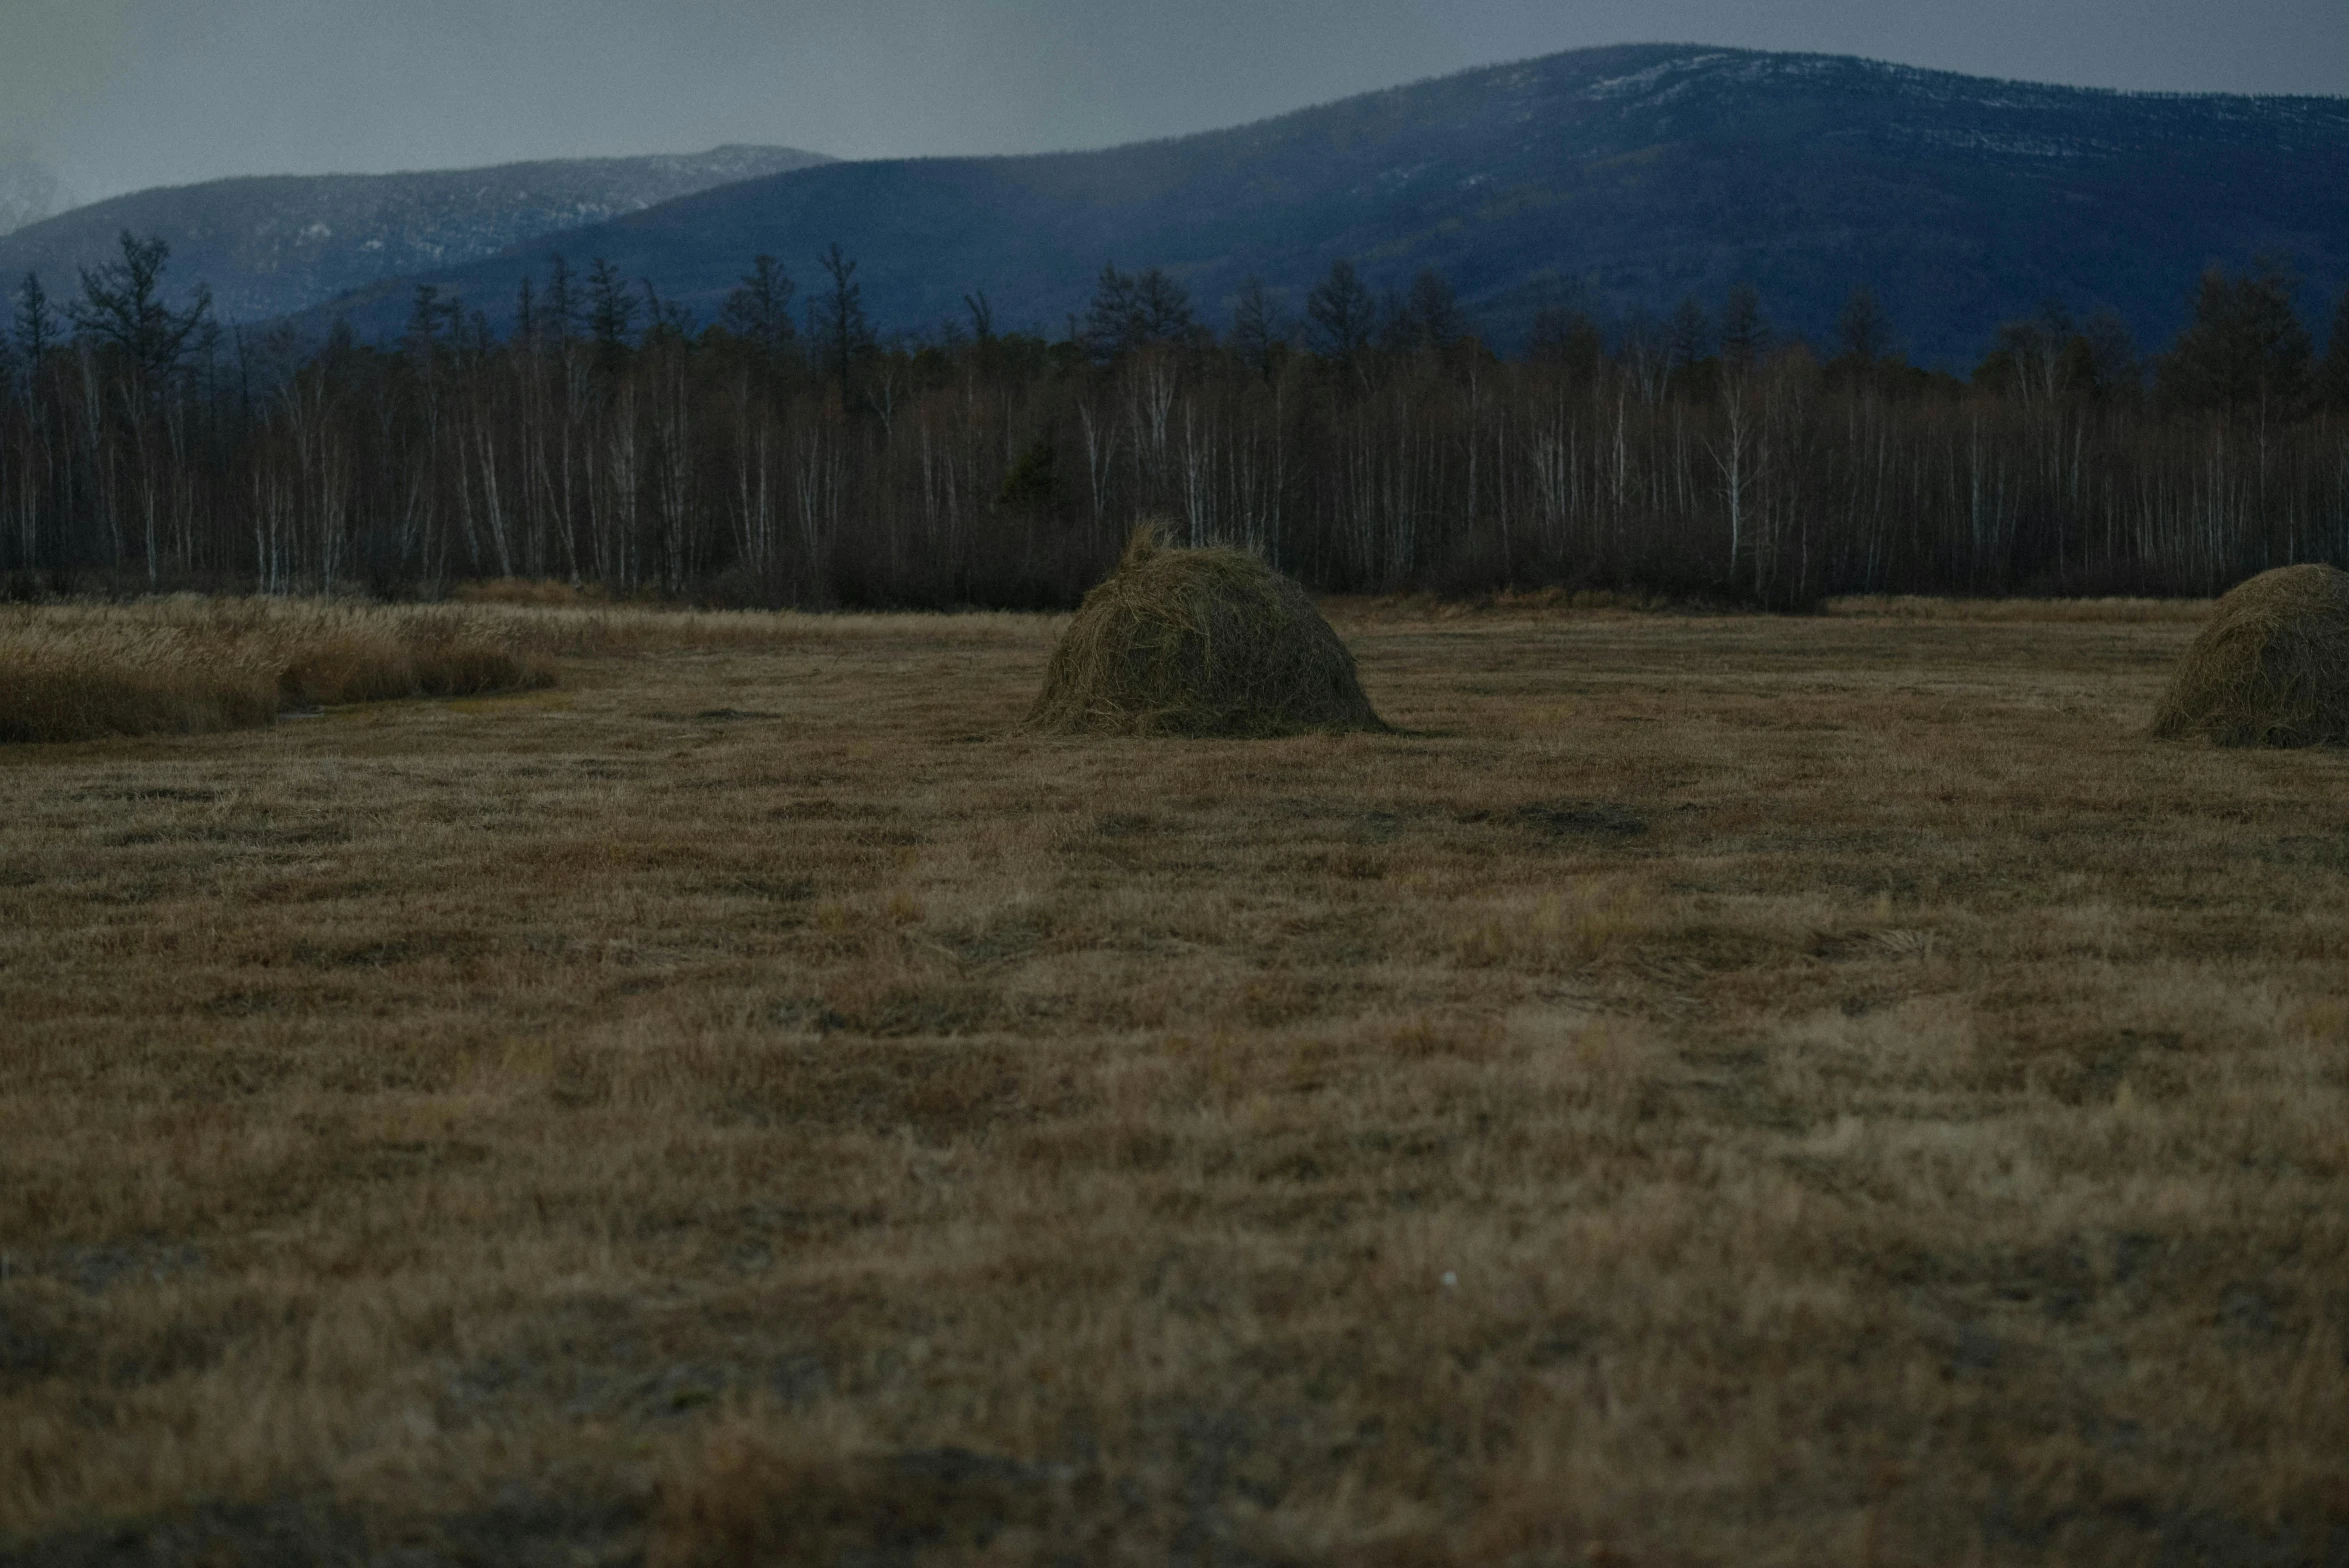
[(29, 192), (273, 245), (1619, 179)]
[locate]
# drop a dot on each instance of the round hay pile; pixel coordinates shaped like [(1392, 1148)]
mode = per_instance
[(2271, 668), (1199, 642)]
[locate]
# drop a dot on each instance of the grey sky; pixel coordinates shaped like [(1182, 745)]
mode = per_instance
[(119, 94)]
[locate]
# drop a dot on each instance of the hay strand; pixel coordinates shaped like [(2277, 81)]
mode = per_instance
[(1199, 643), (2271, 668)]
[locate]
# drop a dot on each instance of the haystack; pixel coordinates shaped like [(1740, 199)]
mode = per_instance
[(1199, 642), (2271, 668)]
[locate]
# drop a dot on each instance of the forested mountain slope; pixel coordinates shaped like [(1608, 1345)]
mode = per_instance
[(272, 246), (1619, 179)]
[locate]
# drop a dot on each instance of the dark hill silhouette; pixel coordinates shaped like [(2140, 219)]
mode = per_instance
[(1620, 179), (272, 246)]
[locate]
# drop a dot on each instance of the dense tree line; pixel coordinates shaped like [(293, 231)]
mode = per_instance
[(787, 454)]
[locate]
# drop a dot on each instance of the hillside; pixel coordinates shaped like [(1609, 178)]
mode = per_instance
[(1621, 178), (273, 246), (28, 193)]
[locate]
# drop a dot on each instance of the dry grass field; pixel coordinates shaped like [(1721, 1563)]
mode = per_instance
[(1706, 1090)]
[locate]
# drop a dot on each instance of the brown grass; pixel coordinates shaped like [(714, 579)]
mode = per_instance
[(1910, 608), (2271, 668), (1199, 643), (1716, 1090), (76, 677), (193, 666), (540, 591)]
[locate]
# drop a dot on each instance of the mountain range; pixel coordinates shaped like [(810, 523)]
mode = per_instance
[(29, 192), (1618, 180), (273, 246)]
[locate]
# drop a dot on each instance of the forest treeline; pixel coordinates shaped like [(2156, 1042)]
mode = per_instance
[(788, 455)]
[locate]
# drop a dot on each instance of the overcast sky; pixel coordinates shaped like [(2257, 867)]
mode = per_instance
[(115, 95)]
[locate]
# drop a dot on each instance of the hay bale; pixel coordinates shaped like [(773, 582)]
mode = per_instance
[(1199, 642), (2271, 668)]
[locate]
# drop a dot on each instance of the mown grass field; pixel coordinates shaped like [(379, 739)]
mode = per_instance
[(1709, 1090)]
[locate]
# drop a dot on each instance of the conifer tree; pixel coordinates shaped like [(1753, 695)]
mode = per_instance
[(2246, 350), (562, 310), (611, 311), (1342, 313), (1110, 318), (35, 322), (1429, 317), (1744, 336), (1865, 333), (1692, 334), (2333, 374), (759, 309), (1260, 335), (122, 305), (1162, 310), (1566, 339), (839, 316)]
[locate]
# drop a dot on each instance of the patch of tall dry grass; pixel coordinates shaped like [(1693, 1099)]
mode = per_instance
[(191, 666)]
